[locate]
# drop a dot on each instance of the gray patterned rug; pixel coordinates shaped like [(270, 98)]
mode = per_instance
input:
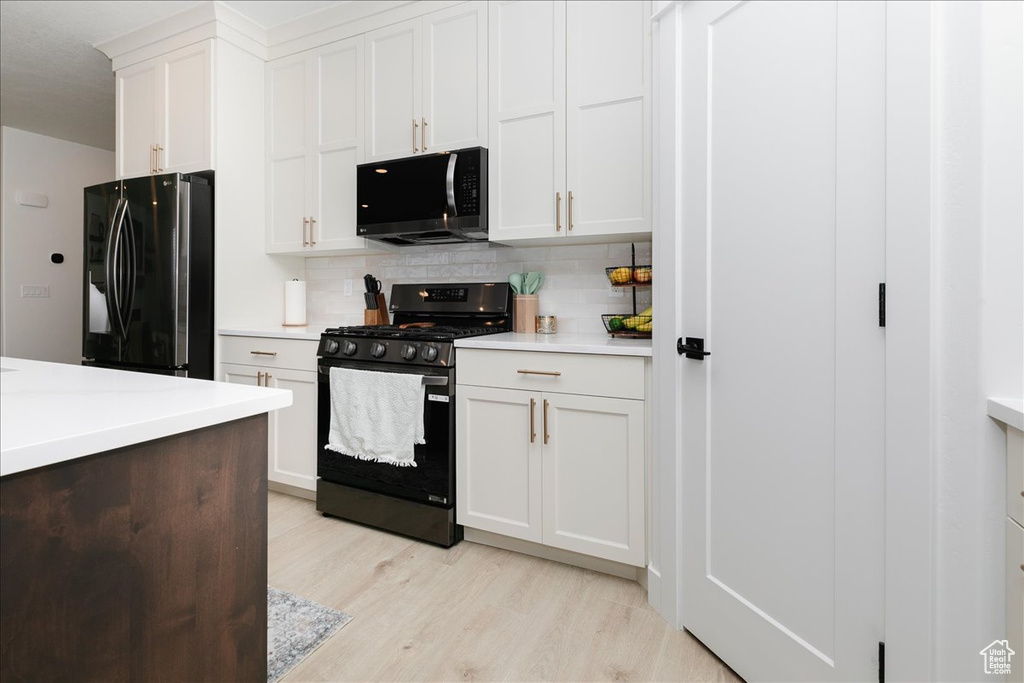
[(296, 627)]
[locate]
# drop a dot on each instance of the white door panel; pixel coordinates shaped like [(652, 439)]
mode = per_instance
[(137, 119), (187, 121), (455, 78), (336, 206), (287, 82), (340, 87), (286, 193), (394, 86), (292, 436), (783, 147)]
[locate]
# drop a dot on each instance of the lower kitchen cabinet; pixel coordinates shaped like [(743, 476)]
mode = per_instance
[(564, 470), (291, 433)]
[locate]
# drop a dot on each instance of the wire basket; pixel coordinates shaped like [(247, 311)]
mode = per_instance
[(628, 325), (628, 276)]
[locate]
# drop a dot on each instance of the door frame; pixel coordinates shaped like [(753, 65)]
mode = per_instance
[(911, 364)]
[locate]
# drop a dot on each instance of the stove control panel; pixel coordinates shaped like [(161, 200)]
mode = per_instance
[(412, 352)]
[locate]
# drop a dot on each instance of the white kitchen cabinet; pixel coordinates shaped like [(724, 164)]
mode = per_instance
[(570, 132), (552, 466), (1015, 546), (314, 143), (164, 113), (426, 83), (283, 364)]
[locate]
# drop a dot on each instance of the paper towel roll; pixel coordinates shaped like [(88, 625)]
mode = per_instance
[(295, 302)]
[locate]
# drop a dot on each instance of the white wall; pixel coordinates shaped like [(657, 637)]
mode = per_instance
[(45, 329), (575, 289), (979, 307)]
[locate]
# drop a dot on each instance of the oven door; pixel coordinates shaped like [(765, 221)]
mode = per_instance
[(432, 481)]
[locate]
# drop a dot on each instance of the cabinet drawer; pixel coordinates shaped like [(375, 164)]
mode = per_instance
[(1015, 591), (1015, 474), (269, 352), (570, 373)]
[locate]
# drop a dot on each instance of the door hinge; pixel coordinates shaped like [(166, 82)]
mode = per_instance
[(881, 304), (881, 655)]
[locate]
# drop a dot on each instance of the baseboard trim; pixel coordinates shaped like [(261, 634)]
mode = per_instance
[(597, 564), (291, 490)]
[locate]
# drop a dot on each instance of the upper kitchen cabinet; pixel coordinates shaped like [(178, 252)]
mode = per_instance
[(426, 83), (314, 142), (164, 113), (570, 131)]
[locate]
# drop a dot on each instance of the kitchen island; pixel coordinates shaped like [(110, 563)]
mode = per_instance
[(132, 525)]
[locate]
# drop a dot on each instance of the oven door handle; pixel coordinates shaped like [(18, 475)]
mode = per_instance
[(428, 380)]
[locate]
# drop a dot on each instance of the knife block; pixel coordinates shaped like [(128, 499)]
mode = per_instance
[(377, 316)]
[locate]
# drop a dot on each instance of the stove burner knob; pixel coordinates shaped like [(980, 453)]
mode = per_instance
[(348, 348), (377, 349), (408, 352), (330, 346), (430, 353)]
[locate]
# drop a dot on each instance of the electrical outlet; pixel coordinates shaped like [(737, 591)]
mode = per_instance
[(35, 292), (348, 287)]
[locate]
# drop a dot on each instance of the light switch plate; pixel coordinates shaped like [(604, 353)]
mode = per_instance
[(348, 287), (35, 292)]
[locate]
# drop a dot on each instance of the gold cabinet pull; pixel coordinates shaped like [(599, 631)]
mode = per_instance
[(550, 373), (263, 353), (259, 379), (152, 158), (312, 231), (558, 212), (415, 126), (533, 428), (423, 136), (546, 435), (266, 380), (159, 168), (305, 227), (570, 210)]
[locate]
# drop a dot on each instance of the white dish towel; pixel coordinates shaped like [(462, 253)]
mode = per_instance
[(376, 415)]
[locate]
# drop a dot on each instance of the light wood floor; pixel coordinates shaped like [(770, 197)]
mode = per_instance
[(471, 613)]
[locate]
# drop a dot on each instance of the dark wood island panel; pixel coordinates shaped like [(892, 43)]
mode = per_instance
[(144, 563)]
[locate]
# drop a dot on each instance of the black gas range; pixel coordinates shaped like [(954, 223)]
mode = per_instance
[(414, 501)]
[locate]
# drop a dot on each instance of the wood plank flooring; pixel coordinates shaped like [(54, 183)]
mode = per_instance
[(471, 613)]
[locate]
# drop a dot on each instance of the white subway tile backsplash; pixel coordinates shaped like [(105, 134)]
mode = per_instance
[(575, 288)]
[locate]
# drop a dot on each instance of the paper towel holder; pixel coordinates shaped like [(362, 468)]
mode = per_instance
[(293, 314)]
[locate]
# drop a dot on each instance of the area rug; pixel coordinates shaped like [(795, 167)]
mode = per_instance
[(296, 627)]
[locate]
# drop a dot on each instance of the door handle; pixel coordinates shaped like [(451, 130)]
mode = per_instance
[(533, 429), (693, 348), (546, 435), (266, 380), (159, 149), (415, 127), (312, 231), (259, 379), (550, 373), (570, 210), (305, 227), (558, 212), (423, 136), (449, 184), (263, 353), (152, 158)]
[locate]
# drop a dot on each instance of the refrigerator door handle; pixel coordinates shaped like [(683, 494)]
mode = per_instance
[(112, 293), (128, 283)]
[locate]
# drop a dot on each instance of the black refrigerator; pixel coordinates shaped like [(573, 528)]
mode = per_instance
[(148, 294)]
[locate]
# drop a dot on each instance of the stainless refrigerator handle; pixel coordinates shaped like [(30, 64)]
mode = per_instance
[(115, 283), (108, 267), (128, 298), (449, 185)]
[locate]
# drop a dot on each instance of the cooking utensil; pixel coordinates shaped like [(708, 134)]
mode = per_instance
[(515, 280), (532, 282)]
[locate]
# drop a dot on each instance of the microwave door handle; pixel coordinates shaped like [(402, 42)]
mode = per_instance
[(449, 185)]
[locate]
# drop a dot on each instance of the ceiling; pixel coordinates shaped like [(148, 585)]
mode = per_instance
[(54, 82)]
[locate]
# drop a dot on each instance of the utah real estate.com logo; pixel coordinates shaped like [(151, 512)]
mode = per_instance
[(997, 657)]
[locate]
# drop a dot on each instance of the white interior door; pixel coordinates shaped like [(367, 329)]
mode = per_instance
[(783, 230)]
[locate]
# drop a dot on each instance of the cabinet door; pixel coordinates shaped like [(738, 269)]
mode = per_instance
[(338, 131), (292, 430), (455, 78), (498, 461), (186, 112), (594, 476), (287, 147), (393, 91), (526, 63), (137, 127), (608, 132)]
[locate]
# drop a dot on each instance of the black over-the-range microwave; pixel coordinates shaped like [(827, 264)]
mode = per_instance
[(425, 199)]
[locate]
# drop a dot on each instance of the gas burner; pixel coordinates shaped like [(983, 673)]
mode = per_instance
[(438, 332)]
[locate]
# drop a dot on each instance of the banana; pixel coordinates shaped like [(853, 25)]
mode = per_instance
[(648, 312), (645, 327)]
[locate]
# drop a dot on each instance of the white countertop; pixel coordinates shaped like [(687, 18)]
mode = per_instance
[(309, 332), (1008, 410), (563, 342), (52, 413)]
